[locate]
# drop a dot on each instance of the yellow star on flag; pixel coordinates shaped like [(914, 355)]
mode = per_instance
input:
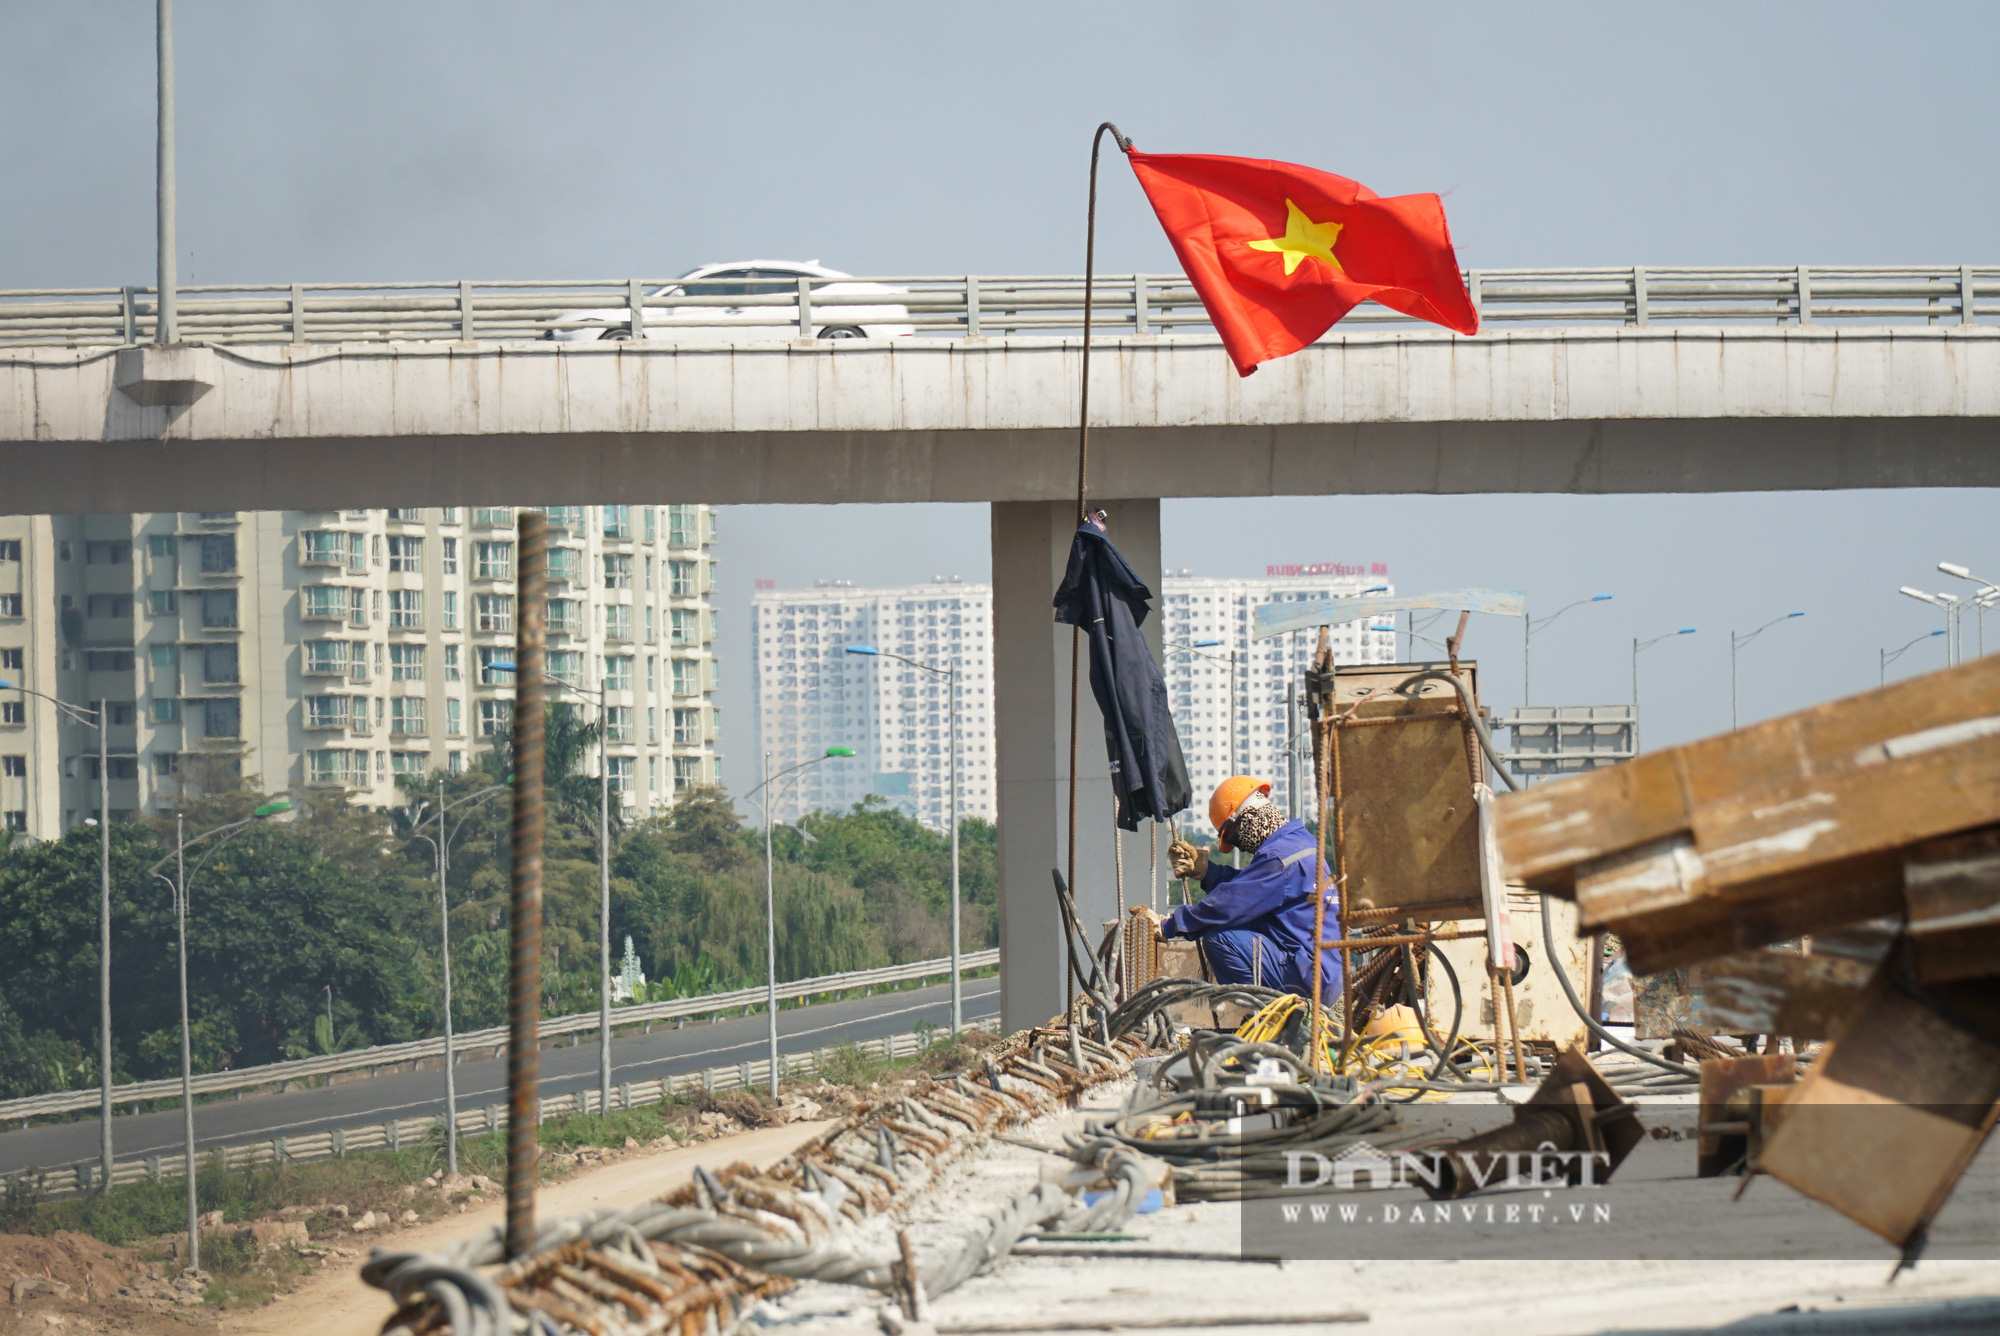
[(1302, 237)]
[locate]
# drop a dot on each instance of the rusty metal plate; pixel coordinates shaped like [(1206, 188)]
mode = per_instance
[(1890, 1116), (1408, 823), (1722, 1078), (1952, 887), (1807, 993), (1804, 989)]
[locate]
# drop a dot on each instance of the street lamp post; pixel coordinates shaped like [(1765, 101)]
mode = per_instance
[(1638, 645), (99, 720), (951, 808), (1737, 642), (1988, 595), (165, 324), (1950, 605), (1529, 625), (1885, 657), (177, 884), (771, 896), (442, 847)]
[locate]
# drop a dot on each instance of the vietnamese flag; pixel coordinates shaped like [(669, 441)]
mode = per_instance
[(1279, 252)]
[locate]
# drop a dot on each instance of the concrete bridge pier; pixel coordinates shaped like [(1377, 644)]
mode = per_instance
[(1031, 675)]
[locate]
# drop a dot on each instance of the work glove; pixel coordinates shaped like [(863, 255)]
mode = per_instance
[(1189, 863)]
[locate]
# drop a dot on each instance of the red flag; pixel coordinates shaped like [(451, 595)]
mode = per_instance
[(1279, 252)]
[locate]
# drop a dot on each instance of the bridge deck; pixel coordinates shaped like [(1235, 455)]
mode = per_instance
[(1626, 409)]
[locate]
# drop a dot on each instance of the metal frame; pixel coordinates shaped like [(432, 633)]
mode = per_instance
[(971, 306), (1580, 737)]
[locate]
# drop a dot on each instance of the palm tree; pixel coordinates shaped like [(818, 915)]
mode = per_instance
[(570, 791)]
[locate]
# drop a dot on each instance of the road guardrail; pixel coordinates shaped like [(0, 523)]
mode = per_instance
[(965, 305), (81, 1176), (644, 1013)]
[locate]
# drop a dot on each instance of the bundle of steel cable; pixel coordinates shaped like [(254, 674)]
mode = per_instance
[(728, 1239), (1144, 1013), (1250, 1106)]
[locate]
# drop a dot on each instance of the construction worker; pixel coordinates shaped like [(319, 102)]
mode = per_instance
[(1255, 924)]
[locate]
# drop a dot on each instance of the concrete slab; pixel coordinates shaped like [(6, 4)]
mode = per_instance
[(1068, 1287)]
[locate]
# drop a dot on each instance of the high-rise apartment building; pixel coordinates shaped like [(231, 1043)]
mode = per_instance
[(339, 649), (811, 694), (1250, 735)]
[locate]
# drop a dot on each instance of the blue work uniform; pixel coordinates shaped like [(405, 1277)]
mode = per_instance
[(1255, 923)]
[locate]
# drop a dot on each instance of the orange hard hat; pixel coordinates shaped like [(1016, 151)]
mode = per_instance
[(1228, 800)]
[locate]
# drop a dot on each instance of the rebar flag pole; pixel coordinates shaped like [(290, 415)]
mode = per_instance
[(525, 998), (1083, 495), (1322, 881)]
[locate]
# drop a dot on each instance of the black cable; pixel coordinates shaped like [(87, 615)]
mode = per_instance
[(1443, 1051), (1590, 1021), (1457, 1005), (1548, 933), (1066, 904)]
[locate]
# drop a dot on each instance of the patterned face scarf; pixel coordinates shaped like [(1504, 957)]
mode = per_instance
[(1256, 823)]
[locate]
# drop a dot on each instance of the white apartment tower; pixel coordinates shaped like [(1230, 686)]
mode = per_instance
[(811, 694), (339, 649), (1199, 677)]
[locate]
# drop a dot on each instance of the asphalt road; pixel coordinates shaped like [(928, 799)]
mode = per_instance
[(639, 1057)]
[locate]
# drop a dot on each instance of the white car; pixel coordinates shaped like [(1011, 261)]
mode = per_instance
[(742, 278)]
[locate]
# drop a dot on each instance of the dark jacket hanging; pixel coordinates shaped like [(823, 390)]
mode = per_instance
[(1102, 595)]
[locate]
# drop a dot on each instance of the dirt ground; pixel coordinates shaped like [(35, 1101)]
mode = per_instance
[(72, 1285), (69, 1284)]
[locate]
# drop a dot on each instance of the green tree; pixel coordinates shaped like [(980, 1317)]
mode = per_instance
[(273, 924)]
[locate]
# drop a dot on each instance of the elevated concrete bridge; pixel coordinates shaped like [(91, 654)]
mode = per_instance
[(810, 421), (1379, 410)]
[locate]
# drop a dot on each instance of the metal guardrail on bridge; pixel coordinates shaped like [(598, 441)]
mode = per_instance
[(645, 1013), (81, 1176), (962, 306)]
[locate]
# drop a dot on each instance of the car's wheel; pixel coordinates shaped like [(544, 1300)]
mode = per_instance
[(842, 332), (616, 334)]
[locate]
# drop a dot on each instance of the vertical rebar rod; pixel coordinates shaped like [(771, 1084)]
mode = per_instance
[(1118, 986), (770, 931), (957, 979), (525, 1000), (1322, 879), (166, 323), (1153, 866), (444, 943), (1083, 500), (604, 895), (104, 935)]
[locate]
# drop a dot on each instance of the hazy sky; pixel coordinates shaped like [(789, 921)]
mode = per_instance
[(352, 140)]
